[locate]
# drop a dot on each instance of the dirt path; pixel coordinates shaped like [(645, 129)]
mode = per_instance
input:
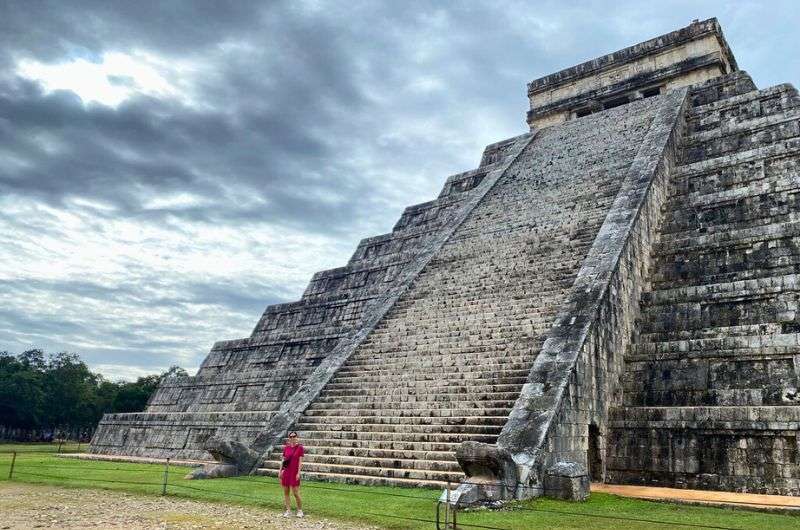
[(721, 498), (32, 506)]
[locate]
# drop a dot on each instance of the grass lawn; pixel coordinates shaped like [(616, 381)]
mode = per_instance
[(386, 507)]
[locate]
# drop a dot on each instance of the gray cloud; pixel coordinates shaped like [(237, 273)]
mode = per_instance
[(300, 127)]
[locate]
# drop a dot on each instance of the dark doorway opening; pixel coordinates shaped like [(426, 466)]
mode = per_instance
[(650, 92), (617, 102), (595, 457)]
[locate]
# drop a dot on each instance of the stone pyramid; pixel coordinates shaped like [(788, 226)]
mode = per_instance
[(613, 296)]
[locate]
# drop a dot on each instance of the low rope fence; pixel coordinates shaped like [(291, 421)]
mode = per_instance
[(442, 514)]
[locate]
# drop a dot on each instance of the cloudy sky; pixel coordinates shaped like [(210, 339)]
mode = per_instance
[(168, 168)]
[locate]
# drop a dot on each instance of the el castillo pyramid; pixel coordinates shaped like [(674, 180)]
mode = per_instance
[(612, 297)]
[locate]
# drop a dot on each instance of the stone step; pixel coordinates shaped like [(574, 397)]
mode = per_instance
[(713, 397), (764, 353), (512, 363), (734, 169), (716, 332), (771, 101), (370, 453), (471, 373), (713, 269), (424, 405), (391, 436), (745, 135), (449, 330), (430, 381), (309, 468), (452, 351), (718, 343), (771, 285), (741, 316), (386, 463), (740, 135), (366, 480), (401, 428), (740, 237), (746, 212), (441, 388), (722, 101), (464, 396), (728, 261), (715, 346), (742, 174), (347, 445), (720, 89), (707, 381), (704, 417), (441, 422)]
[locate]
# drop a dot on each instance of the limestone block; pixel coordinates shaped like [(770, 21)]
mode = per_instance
[(567, 481)]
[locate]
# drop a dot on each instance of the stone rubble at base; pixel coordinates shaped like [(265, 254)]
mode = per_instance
[(613, 296)]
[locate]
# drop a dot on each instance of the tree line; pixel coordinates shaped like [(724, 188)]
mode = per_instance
[(58, 393)]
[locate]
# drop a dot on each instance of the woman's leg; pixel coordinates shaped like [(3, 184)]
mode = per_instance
[(296, 491), (286, 501)]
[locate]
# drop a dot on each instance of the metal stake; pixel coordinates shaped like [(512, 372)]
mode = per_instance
[(166, 477), (13, 460)]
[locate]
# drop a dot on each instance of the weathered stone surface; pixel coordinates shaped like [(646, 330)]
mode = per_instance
[(711, 381), (567, 389), (232, 458), (681, 58), (567, 481), (614, 296), (491, 473)]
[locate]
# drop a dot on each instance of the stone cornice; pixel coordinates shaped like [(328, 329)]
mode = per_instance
[(694, 31)]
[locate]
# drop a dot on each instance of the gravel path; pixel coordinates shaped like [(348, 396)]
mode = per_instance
[(33, 506)]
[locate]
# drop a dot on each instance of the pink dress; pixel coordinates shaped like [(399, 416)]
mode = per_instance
[(292, 454)]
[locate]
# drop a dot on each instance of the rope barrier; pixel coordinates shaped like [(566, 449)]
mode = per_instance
[(618, 518), (348, 490), (88, 469), (25, 473), (543, 489), (31, 452), (228, 493), (416, 519)]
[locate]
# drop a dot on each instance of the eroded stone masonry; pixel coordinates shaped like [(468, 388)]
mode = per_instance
[(612, 296)]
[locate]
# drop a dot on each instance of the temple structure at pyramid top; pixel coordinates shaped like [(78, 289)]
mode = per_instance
[(684, 57), (614, 296)]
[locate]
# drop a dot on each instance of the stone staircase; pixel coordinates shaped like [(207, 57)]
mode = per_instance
[(243, 382), (448, 361), (711, 393)]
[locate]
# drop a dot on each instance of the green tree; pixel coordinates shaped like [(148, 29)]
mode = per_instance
[(60, 392), (21, 394)]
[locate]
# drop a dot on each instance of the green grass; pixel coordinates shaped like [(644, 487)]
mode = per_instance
[(68, 446), (377, 505)]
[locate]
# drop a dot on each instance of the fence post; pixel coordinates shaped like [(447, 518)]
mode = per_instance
[(447, 506), (166, 477), (13, 461), (455, 512)]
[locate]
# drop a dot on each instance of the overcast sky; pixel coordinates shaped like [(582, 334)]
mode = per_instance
[(168, 169)]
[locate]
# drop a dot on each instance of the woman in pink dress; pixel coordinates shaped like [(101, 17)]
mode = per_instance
[(290, 474)]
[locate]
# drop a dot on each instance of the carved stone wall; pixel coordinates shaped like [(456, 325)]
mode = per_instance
[(711, 382)]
